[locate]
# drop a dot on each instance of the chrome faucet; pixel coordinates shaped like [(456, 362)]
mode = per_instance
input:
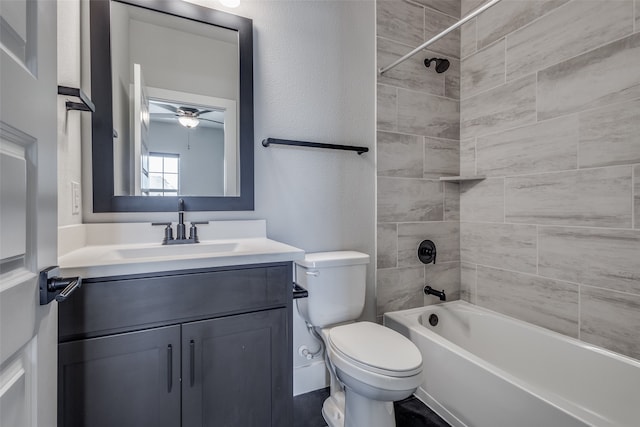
[(181, 229)]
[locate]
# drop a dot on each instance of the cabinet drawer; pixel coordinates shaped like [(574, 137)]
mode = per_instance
[(118, 305)]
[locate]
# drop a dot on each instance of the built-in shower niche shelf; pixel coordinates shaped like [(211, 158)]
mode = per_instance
[(462, 178)]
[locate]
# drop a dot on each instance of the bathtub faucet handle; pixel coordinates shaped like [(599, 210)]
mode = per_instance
[(428, 290), (427, 252)]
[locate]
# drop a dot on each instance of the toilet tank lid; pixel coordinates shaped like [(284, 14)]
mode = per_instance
[(333, 259)]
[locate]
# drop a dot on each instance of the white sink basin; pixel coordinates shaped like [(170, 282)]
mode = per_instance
[(187, 249)]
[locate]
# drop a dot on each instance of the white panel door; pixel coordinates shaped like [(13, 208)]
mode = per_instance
[(28, 211)]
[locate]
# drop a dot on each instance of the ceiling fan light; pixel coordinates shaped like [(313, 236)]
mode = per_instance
[(188, 122)]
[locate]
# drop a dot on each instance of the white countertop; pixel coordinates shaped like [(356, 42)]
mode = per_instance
[(104, 250)]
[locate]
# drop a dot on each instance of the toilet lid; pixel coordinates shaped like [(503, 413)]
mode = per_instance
[(377, 347)]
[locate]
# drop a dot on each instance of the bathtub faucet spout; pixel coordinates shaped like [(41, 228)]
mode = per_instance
[(430, 291)]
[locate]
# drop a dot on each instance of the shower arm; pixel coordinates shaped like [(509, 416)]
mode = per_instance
[(437, 37)]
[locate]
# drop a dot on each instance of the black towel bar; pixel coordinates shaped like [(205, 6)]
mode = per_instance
[(269, 141)]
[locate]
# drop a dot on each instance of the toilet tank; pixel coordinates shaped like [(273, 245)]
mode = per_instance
[(336, 283)]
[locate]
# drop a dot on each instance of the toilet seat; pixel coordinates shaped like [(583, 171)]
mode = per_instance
[(375, 349)]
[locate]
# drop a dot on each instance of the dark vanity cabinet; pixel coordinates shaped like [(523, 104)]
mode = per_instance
[(192, 348)]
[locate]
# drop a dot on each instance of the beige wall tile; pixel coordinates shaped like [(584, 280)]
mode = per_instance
[(400, 21), (387, 108), (483, 71), (593, 197), (387, 239), (610, 135), (400, 155), (510, 15), (436, 22), (404, 199), (441, 157), (449, 7), (411, 74), (468, 38), (504, 107), (482, 201), (451, 201), (542, 147), (611, 320), (445, 235), (468, 156), (508, 246), (605, 75), (428, 115), (399, 289), (442, 276), (544, 302), (592, 256), (468, 282), (567, 31)]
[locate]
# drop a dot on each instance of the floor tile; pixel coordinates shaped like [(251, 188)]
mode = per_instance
[(410, 412)]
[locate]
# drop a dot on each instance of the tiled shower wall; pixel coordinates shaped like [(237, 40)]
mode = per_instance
[(418, 130), (550, 113)]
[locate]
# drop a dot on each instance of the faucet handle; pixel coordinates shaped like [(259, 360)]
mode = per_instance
[(193, 230), (168, 231)]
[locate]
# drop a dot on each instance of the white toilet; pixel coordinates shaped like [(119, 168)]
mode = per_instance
[(375, 364)]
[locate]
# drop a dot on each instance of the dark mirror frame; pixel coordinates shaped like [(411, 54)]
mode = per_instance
[(104, 199)]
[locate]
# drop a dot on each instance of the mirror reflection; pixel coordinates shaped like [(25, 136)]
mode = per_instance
[(175, 105)]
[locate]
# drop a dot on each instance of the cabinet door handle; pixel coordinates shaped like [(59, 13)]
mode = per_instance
[(192, 357), (169, 368)]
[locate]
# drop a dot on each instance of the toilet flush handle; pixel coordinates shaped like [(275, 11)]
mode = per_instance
[(314, 273)]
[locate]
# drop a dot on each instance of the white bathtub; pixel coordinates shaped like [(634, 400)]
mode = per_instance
[(483, 369)]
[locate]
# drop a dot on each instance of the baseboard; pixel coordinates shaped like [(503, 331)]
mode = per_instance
[(310, 377)]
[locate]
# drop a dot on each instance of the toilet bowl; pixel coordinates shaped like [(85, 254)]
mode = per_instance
[(371, 366)]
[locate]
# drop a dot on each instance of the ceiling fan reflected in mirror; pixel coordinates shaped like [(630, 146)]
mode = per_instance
[(189, 117)]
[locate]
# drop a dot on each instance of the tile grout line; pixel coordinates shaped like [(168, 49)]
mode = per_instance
[(505, 64), (475, 155), (633, 204), (580, 312), (476, 47), (397, 118), (504, 200), (537, 250), (523, 224), (475, 285), (397, 247), (529, 224)]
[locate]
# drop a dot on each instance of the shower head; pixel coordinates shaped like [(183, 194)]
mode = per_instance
[(442, 64)]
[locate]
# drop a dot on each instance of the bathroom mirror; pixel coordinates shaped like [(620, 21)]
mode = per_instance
[(173, 87)]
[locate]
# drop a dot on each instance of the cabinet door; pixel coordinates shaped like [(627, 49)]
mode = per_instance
[(235, 371), (126, 380)]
